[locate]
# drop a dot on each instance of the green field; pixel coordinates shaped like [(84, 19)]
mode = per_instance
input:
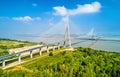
[(6, 44), (83, 62)]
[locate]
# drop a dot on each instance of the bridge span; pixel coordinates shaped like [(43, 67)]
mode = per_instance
[(41, 48)]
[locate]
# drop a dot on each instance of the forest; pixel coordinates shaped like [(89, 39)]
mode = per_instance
[(82, 62)]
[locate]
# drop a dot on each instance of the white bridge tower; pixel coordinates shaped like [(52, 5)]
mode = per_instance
[(67, 33)]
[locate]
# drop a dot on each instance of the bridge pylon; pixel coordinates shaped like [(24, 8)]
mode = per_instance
[(67, 33)]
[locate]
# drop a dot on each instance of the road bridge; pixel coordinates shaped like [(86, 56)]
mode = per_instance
[(30, 51)]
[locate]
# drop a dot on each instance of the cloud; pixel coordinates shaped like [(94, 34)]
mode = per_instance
[(26, 18), (34, 4), (81, 9), (60, 10)]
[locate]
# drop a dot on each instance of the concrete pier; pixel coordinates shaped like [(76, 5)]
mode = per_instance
[(58, 46), (47, 49), (64, 44), (40, 52), (31, 55), (3, 63), (19, 58), (53, 48)]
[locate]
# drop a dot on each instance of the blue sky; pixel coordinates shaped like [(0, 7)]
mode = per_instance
[(48, 16)]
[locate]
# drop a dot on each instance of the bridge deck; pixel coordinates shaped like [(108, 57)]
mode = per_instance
[(99, 39), (23, 51)]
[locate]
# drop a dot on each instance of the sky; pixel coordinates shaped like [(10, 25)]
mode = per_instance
[(36, 17)]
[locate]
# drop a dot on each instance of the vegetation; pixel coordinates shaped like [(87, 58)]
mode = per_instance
[(50, 54), (83, 62), (6, 44)]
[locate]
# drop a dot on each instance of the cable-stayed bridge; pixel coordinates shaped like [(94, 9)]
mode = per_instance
[(66, 42)]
